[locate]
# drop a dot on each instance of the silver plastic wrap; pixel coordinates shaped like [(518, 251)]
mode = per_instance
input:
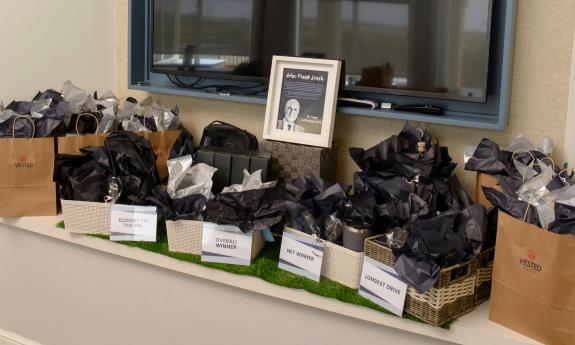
[(36, 115), (148, 102), (520, 143), (564, 195), (173, 122), (6, 114), (468, 152), (127, 110), (76, 97), (114, 191), (164, 118), (157, 116), (396, 237), (38, 106), (535, 192), (526, 171), (333, 228), (547, 146), (109, 100), (134, 126), (108, 121), (169, 118)]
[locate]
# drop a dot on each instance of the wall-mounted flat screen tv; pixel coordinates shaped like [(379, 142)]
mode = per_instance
[(426, 48)]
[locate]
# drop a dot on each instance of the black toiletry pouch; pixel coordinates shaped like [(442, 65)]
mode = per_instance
[(221, 134)]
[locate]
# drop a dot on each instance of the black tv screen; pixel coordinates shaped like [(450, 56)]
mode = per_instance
[(428, 48)]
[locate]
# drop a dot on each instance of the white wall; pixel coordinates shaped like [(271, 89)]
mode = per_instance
[(570, 121), (58, 293), (44, 43)]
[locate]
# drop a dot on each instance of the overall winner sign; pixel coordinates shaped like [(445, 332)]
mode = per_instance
[(226, 244), (301, 256), (133, 223), (379, 283)]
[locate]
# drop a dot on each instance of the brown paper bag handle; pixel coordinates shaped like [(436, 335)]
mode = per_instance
[(23, 117), (88, 114)]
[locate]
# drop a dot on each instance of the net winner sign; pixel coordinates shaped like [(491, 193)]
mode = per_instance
[(301, 255)]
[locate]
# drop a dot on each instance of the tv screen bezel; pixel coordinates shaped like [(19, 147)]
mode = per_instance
[(350, 89)]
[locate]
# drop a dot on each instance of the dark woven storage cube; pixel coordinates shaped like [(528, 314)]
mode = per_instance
[(290, 161), (484, 275), (452, 295)]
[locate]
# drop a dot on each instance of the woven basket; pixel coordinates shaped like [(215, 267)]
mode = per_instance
[(185, 236), (447, 276), (452, 295), (484, 274), (82, 217), (438, 306), (339, 264)]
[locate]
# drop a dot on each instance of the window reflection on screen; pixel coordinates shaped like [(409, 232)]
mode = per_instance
[(205, 34), (430, 46)]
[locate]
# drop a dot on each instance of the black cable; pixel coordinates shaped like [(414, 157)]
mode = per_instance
[(237, 89), (178, 82), (175, 82), (190, 85)]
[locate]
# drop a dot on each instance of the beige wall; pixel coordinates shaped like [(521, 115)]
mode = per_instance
[(570, 123), (44, 43), (539, 101)]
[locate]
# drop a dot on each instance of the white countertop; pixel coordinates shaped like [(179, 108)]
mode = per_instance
[(473, 328)]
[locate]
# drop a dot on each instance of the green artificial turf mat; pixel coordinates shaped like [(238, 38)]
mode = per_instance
[(265, 267)]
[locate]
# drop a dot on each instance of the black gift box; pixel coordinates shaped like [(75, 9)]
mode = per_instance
[(231, 164)]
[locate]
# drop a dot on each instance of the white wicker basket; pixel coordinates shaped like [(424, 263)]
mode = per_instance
[(258, 243), (185, 236), (82, 217), (339, 264)]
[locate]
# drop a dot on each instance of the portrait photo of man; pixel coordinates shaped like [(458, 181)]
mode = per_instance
[(291, 114)]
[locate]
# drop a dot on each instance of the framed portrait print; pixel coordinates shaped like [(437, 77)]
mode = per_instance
[(302, 100)]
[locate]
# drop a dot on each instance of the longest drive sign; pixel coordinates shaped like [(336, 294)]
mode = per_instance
[(379, 283)]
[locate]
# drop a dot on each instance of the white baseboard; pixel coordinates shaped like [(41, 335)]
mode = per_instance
[(9, 338)]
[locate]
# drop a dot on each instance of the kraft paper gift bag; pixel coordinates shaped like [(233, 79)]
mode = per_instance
[(26, 168), (162, 143), (71, 145), (533, 290), (485, 180)]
